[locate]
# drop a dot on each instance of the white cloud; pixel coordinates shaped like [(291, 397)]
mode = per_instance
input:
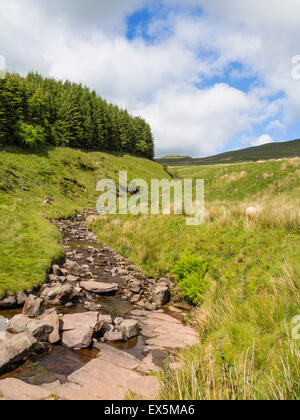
[(263, 139), (85, 41)]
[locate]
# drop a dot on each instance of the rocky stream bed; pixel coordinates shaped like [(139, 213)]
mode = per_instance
[(97, 329)]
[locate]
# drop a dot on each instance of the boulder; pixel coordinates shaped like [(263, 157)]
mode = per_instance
[(51, 318), (15, 349), (8, 302), (40, 330), (32, 307), (99, 288), (78, 329), (162, 295), (18, 324), (86, 319), (130, 328), (79, 338), (59, 295)]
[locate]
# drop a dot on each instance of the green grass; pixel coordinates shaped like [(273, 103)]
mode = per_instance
[(278, 150), (28, 241), (245, 349)]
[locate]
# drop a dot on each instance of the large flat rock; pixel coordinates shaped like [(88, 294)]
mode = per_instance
[(164, 331), (105, 380), (99, 288), (14, 389)]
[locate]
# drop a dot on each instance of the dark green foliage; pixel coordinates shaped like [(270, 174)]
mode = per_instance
[(190, 271), (34, 110)]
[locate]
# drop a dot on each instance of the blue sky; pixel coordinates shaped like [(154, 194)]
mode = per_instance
[(209, 76)]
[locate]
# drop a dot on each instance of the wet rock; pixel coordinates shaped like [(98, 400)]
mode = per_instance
[(15, 349), (32, 307), (21, 298), (40, 330), (100, 288), (7, 302), (91, 306), (130, 328), (51, 318), (17, 324)]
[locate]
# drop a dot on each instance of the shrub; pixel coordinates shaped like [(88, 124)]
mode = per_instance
[(190, 272), (30, 135)]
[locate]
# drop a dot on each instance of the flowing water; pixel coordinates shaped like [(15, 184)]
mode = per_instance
[(59, 362)]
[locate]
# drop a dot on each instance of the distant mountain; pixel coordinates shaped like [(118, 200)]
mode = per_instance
[(269, 151)]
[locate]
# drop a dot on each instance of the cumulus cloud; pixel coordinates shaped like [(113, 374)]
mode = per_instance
[(171, 80), (263, 139)]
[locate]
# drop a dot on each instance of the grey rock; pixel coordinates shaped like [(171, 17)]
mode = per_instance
[(21, 298), (130, 328), (32, 307), (17, 324), (15, 349), (40, 330)]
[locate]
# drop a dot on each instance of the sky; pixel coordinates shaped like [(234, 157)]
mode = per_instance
[(208, 75)]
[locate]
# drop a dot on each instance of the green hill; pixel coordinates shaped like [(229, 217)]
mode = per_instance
[(50, 183), (281, 150)]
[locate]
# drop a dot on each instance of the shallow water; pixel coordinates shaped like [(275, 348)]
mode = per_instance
[(61, 361), (58, 364)]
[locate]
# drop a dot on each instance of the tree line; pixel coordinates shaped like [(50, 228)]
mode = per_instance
[(36, 110)]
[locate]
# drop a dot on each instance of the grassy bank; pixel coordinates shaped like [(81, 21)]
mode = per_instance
[(245, 349), (49, 183)]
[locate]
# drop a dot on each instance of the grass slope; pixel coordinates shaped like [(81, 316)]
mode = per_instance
[(28, 241), (246, 351), (278, 150)]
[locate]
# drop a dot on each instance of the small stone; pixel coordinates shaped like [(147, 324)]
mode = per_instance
[(56, 270), (21, 298), (71, 278), (118, 321)]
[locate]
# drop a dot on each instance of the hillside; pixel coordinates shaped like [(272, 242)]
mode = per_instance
[(281, 150), (50, 183), (251, 290)]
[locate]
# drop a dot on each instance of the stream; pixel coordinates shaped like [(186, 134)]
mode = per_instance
[(60, 361)]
